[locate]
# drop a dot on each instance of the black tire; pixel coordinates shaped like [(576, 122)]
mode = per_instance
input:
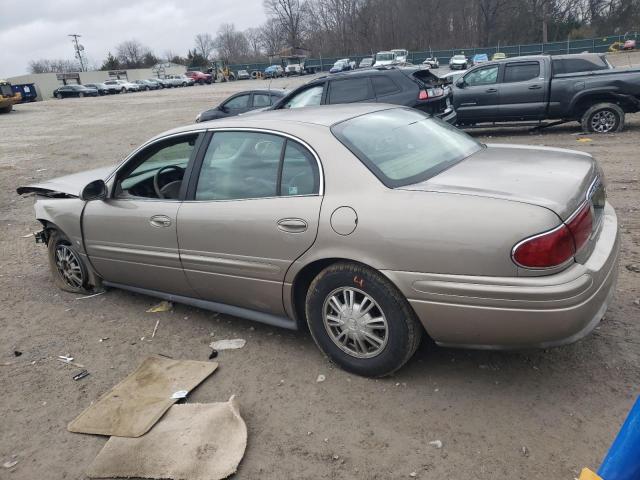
[(603, 118), (58, 240), (403, 333), (123, 90), (6, 109), (59, 96), (81, 95)]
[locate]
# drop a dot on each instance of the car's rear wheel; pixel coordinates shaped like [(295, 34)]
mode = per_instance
[(603, 118), (69, 271), (360, 320)]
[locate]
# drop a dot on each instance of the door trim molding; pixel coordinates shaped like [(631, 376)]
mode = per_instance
[(246, 313)]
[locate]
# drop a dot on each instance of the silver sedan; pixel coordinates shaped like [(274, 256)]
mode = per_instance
[(371, 224)]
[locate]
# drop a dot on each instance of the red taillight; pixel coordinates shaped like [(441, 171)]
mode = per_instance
[(423, 95), (545, 250), (581, 225), (556, 246)]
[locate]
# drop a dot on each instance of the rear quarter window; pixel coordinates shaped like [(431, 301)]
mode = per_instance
[(350, 90), (383, 85)]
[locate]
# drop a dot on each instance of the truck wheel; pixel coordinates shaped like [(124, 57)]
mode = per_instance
[(360, 320), (6, 109), (603, 118)]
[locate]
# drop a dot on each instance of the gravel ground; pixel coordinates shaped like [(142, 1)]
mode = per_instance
[(527, 415)]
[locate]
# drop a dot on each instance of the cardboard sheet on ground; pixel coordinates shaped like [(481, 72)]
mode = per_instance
[(195, 441), (134, 405)]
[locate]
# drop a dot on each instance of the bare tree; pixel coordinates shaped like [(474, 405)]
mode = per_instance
[(205, 45), (230, 43), (290, 15), (271, 37), (131, 53), (53, 66), (254, 38)]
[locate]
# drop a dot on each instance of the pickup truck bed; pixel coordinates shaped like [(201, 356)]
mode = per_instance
[(542, 87)]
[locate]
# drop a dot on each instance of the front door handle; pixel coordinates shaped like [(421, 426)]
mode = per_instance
[(534, 87), (292, 225), (160, 221), (491, 90)]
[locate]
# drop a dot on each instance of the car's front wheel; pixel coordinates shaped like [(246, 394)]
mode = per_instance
[(68, 270), (360, 320)]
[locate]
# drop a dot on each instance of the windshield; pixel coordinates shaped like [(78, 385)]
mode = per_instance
[(403, 146), (384, 56), (459, 57)]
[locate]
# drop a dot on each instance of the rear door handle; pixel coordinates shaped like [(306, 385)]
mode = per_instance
[(491, 90), (160, 221), (292, 225), (534, 87)]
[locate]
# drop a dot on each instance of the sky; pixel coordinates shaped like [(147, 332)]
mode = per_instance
[(39, 28)]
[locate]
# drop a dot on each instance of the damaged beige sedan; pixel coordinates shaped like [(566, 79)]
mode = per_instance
[(371, 224)]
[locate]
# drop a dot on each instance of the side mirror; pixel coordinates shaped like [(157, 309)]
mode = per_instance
[(460, 83), (96, 190), (224, 109)]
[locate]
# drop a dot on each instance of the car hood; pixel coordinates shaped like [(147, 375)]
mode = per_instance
[(66, 186), (553, 178)]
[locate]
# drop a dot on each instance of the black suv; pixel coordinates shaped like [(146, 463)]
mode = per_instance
[(408, 86)]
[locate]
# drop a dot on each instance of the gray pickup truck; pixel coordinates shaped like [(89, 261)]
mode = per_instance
[(583, 88)]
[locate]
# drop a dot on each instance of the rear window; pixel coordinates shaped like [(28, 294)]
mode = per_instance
[(383, 85), (404, 146)]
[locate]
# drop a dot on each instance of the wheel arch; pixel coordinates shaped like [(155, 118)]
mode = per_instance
[(587, 99)]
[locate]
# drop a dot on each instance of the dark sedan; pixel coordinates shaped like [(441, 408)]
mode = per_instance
[(100, 87), (74, 91), (242, 102)]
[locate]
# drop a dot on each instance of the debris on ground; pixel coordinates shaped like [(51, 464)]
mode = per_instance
[(65, 358), (584, 140), (155, 329), (436, 443), (10, 464), (211, 450), (632, 267), (27, 235), (525, 451), (69, 361), (413, 474), (163, 306), (91, 296), (103, 339), (135, 404), (213, 354), (17, 353), (81, 375), (321, 378), (228, 344)]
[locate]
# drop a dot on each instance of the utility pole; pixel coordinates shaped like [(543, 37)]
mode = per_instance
[(78, 48)]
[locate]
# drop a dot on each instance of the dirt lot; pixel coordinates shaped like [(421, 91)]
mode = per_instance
[(527, 415)]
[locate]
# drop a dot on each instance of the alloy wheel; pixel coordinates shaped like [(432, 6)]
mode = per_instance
[(603, 121), (355, 322), (68, 265)]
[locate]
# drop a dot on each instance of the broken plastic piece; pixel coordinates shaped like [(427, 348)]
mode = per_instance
[(228, 344), (163, 306), (81, 375), (180, 394)]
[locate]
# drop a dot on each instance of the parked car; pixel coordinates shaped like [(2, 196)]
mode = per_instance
[(179, 80), (161, 82), (113, 87), (385, 58), (67, 91), (498, 56), (100, 87), (242, 102), (629, 45), (27, 91), (146, 84), (483, 246), (199, 77), (243, 75), (459, 62), (366, 62), (341, 65), (452, 76), (273, 71), (123, 85), (402, 55), (479, 58), (408, 86), (431, 62), (544, 87)]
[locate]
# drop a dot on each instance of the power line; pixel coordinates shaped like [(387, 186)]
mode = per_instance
[(78, 48)]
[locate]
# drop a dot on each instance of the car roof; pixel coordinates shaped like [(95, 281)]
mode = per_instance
[(324, 115), (277, 91)]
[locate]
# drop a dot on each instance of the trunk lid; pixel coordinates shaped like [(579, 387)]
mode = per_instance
[(553, 178), (66, 186)]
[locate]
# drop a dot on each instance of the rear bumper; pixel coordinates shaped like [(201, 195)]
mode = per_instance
[(517, 312)]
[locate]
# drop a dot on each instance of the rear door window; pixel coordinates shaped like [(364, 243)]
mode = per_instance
[(383, 85), (350, 90), (521, 71), (261, 100)]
